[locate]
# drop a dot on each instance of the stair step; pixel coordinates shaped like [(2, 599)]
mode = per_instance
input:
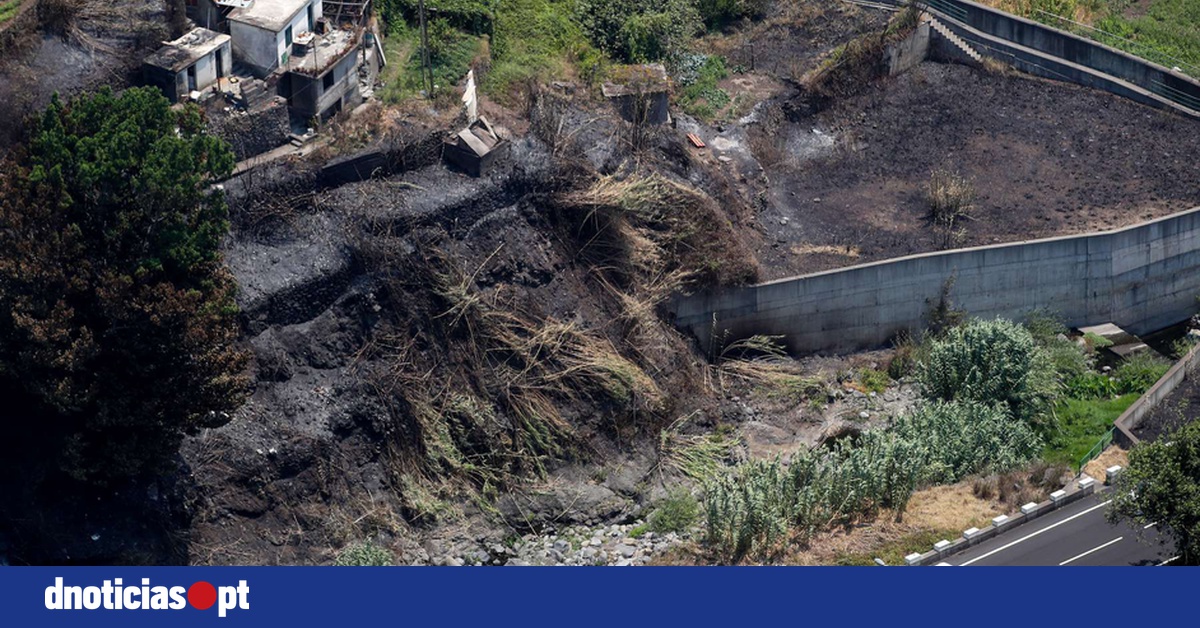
[(959, 42)]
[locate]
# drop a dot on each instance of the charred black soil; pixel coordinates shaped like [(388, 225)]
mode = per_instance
[(848, 184)]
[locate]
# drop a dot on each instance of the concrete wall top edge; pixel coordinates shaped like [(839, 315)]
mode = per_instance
[(1091, 239), (1105, 47)]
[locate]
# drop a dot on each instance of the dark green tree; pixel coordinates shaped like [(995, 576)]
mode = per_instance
[(638, 32), (1162, 485), (117, 320)]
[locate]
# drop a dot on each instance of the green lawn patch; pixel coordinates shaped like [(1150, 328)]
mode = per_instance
[(402, 77), (1081, 423)]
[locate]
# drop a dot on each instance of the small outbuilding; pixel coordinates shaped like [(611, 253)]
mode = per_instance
[(192, 63), (476, 148), (640, 93)]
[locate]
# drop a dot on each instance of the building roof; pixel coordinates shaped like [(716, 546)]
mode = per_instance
[(324, 51), (193, 46), (632, 79), (272, 15), (479, 138)]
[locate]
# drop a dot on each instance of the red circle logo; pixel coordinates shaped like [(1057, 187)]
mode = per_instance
[(202, 595)]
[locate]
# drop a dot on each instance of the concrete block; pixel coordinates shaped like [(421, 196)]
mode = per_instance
[(1029, 509), (913, 559), (999, 521), (1111, 473), (1058, 496), (971, 533), (1087, 484), (941, 546), (943, 565)]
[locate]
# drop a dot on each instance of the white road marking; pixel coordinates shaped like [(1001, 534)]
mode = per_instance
[(1030, 536), (1149, 525), (1094, 549), (1168, 561)]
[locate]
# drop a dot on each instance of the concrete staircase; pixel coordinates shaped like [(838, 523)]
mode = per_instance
[(254, 91), (944, 31)]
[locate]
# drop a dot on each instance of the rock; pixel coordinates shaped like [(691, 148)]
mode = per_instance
[(561, 546), (624, 562), (454, 562), (864, 415), (626, 550)]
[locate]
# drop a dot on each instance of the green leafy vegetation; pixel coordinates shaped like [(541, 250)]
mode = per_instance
[(1139, 372), (1081, 423), (8, 10), (634, 31), (450, 51), (717, 13), (701, 96), (752, 510), (364, 555), (1162, 485), (677, 513), (873, 380), (1166, 32), (117, 319), (994, 361)]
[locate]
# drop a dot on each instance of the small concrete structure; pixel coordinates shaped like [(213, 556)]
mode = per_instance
[(1029, 508), (640, 93), (1111, 474), (475, 148), (321, 74), (264, 31), (192, 63)]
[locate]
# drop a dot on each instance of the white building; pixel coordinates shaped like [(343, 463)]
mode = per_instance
[(264, 31), (191, 63)]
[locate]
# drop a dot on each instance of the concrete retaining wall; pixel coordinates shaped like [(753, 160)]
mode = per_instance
[(1133, 415), (1143, 278), (1046, 51)]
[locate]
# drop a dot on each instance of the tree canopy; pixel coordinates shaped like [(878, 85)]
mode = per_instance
[(1162, 485), (117, 320)]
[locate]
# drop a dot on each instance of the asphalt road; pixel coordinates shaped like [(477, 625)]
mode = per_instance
[(1076, 534)]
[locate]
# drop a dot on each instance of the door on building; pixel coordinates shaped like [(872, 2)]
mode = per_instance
[(191, 75), (310, 18), (287, 35), (220, 64)]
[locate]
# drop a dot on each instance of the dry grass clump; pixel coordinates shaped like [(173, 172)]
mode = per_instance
[(697, 456), (859, 61), (1021, 486), (651, 226), (485, 401), (951, 199)]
